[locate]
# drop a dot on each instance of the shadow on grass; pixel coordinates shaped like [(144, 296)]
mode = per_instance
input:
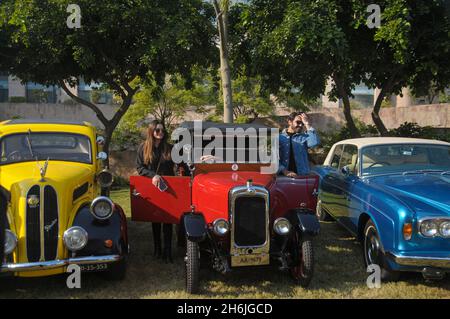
[(339, 271)]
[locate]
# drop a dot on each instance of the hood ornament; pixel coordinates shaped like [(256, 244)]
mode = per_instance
[(43, 169)]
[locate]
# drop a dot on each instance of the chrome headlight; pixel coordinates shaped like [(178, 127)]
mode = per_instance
[(444, 229), (10, 242), (105, 178), (429, 228), (75, 238), (282, 226), (102, 208), (221, 227)]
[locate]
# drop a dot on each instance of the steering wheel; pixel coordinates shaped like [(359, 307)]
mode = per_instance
[(14, 156), (380, 163)]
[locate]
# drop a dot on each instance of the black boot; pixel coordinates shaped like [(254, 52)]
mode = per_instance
[(167, 234), (157, 239)]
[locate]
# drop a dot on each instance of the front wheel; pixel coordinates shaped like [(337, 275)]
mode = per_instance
[(192, 261), (302, 268), (373, 254)]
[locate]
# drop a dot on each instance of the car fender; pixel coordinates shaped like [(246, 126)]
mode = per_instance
[(305, 221), (194, 226), (113, 229)]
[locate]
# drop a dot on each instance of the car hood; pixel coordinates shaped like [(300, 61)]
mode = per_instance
[(57, 172), (423, 193), (210, 190)]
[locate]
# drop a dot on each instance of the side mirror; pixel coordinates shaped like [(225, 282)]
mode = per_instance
[(345, 170), (100, 140), (102, 156)]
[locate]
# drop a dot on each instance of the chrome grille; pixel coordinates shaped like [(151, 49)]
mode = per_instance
[(33, 226), (42, 225)]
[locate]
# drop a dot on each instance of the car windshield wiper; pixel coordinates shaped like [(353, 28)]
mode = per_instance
[(30, 147), (422, 171)]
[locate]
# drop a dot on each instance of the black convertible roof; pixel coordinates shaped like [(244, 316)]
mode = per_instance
[(221, 126)]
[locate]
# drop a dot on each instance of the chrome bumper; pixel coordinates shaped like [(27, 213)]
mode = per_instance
[(45, 265), (420, 261)]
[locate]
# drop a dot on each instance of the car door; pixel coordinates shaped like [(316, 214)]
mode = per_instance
[(149, 204), (347, 182), (331, 194)]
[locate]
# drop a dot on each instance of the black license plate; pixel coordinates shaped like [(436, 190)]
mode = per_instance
[(94, 267)]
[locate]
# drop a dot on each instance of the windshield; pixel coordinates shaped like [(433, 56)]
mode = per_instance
[(42, 146), (383, 159)]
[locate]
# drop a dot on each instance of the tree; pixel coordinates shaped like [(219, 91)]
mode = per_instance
[(221, 8), (119, 41), (412, 49), (302, 44)]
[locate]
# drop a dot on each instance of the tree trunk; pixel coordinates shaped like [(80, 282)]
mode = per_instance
[(387, 88), (354, 132), (376, 114), (225, 74)]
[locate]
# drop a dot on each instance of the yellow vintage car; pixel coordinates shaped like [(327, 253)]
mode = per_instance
[(55, 194)]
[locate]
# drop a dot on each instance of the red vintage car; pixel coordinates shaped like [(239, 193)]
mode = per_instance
[(232, 213)]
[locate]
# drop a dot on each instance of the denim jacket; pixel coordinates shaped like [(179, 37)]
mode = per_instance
[(300, 144)]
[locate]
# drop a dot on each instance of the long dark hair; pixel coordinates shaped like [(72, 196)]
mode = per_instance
[(150, 142)]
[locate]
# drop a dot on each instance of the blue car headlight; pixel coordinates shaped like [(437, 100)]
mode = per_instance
[(435, 227), (429, 228), (444, 229)]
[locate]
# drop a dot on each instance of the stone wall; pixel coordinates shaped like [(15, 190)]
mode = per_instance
[(329, 119), (70, 112)]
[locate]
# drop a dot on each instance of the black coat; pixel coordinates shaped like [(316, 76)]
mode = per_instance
[(166, 167)]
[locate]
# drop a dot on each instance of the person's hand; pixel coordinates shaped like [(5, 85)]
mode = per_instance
[(289, 173), (155, 180), (306, 120)]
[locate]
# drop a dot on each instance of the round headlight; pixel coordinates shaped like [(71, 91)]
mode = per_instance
[(282, 226), (429, 228), (105, 178), (10, 242), (221, 227), (75, 238), (444, 229), (102, 208)]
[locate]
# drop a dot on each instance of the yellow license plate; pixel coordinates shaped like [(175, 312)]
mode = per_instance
[(250, 260)]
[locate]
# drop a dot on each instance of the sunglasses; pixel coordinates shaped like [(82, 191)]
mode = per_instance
[(159, 130)]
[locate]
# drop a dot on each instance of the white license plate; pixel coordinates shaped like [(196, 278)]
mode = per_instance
[(94, 267)]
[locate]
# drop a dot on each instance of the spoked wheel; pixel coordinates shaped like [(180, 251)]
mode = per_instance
[(192, 261), (321, 213), (302, 267), (373, 254)]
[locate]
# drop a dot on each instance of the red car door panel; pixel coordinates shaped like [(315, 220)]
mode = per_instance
[(149, 204)]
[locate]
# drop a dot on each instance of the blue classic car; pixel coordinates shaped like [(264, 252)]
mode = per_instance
[(394, 195)]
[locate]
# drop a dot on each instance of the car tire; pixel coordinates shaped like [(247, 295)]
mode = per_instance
[(321, 214), (373, 253), (302, 251), (192, 261)]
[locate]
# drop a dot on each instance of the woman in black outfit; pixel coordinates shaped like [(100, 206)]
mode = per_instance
[(154, 160)]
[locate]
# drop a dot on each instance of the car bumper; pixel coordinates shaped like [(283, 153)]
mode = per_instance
[(53, 264), (420, 261)]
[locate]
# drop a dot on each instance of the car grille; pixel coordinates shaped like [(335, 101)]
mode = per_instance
[(250, 221), (48, 231)]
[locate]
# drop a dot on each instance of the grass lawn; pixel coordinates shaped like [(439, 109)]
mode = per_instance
[(339, 273)]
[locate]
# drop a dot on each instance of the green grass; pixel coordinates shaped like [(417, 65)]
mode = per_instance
[(339, 273)]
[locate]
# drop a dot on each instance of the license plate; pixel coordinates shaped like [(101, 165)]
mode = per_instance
[(250, 260), (94, 267)]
